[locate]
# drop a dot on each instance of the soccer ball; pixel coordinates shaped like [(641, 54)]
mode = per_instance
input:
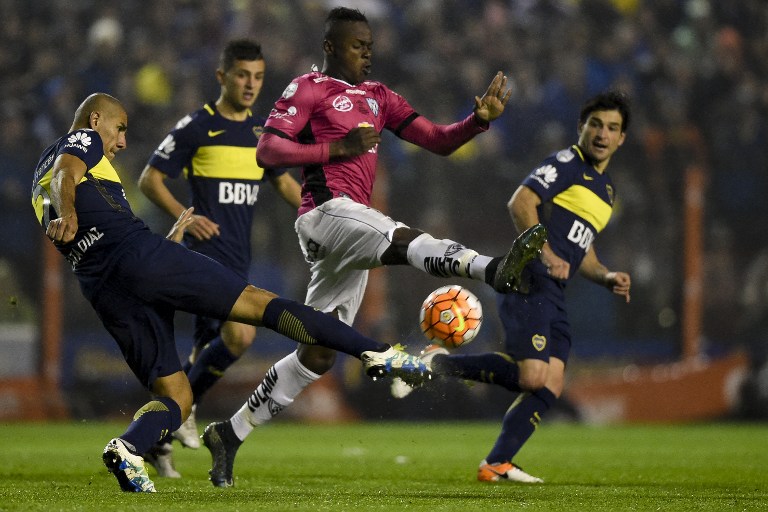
[(451, 316)]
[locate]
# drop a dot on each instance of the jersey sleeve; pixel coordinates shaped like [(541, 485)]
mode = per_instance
[(292, 110), (550, 178), (175, 151), (398, 112), (86, 145)]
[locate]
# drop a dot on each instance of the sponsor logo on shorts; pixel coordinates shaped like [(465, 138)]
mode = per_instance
[(539, 342), (315, 251)]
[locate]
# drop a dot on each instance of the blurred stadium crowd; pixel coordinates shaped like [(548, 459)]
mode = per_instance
[(697, 71)]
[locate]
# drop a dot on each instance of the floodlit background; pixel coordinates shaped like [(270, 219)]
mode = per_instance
[(689, 224)]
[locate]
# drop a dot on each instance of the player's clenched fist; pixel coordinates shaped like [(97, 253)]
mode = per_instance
[(63, 229)]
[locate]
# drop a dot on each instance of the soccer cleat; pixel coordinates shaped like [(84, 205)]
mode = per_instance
[(395, 362), (187, 432), (222, 442), (505, 472), (160, 457), (399, 388), (128, 468), (525, 248)]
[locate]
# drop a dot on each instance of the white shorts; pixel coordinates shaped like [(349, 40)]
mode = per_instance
[(342, 239)]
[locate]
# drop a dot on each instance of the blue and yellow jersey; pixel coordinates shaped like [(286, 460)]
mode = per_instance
[(576, 202), (106, 224), (218, 158)]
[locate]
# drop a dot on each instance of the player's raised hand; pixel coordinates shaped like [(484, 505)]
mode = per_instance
[(63, 229), (176, 234), (492, 104), (356, 142), (619, 283)]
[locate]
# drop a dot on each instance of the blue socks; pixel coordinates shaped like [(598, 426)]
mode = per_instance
[(521, 420), (209, 367), (491, 368), (311, 327), (153, 422)]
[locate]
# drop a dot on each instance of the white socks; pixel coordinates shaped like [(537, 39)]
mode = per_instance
[(446, 258), (282, 384)]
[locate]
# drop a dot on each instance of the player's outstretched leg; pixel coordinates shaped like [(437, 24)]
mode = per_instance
[(525, 248), (311, 327), (222, 442), (127, 467)]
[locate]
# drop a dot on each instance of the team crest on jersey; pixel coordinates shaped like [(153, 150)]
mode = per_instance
[(342, 104), (373, 105), (609, 191), (258, 131), (290, 90), (565, 155), (539, 342)]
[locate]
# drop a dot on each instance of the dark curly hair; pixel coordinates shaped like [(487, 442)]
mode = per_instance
[(609, 100)]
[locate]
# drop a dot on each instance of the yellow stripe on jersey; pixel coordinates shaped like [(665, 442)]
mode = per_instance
[(104, 171), (581, 201), (226, 162)]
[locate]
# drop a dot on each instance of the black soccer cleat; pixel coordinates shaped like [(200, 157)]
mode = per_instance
[(222, 442), (525, 249)]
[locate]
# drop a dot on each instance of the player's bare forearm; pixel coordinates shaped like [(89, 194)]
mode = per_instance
[(522, 208), (592, 269), (152, 185), (67, 173), (289, 189)]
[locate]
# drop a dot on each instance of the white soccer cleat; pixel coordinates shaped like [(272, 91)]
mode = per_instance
[(395, 362), (128, 468), (505, 472), (187, 432), (399, 388), (160, 457)]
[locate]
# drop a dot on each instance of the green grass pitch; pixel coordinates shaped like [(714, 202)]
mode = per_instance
[(403, 467)]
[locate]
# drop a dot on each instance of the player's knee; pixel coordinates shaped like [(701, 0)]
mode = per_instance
[(533, 377), (237, 337), (316, 359), (397, 252)]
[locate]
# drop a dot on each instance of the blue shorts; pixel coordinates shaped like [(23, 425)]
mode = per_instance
[(151, 280), (536, 324)]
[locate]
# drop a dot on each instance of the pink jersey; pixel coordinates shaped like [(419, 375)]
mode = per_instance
[(316, 108)]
